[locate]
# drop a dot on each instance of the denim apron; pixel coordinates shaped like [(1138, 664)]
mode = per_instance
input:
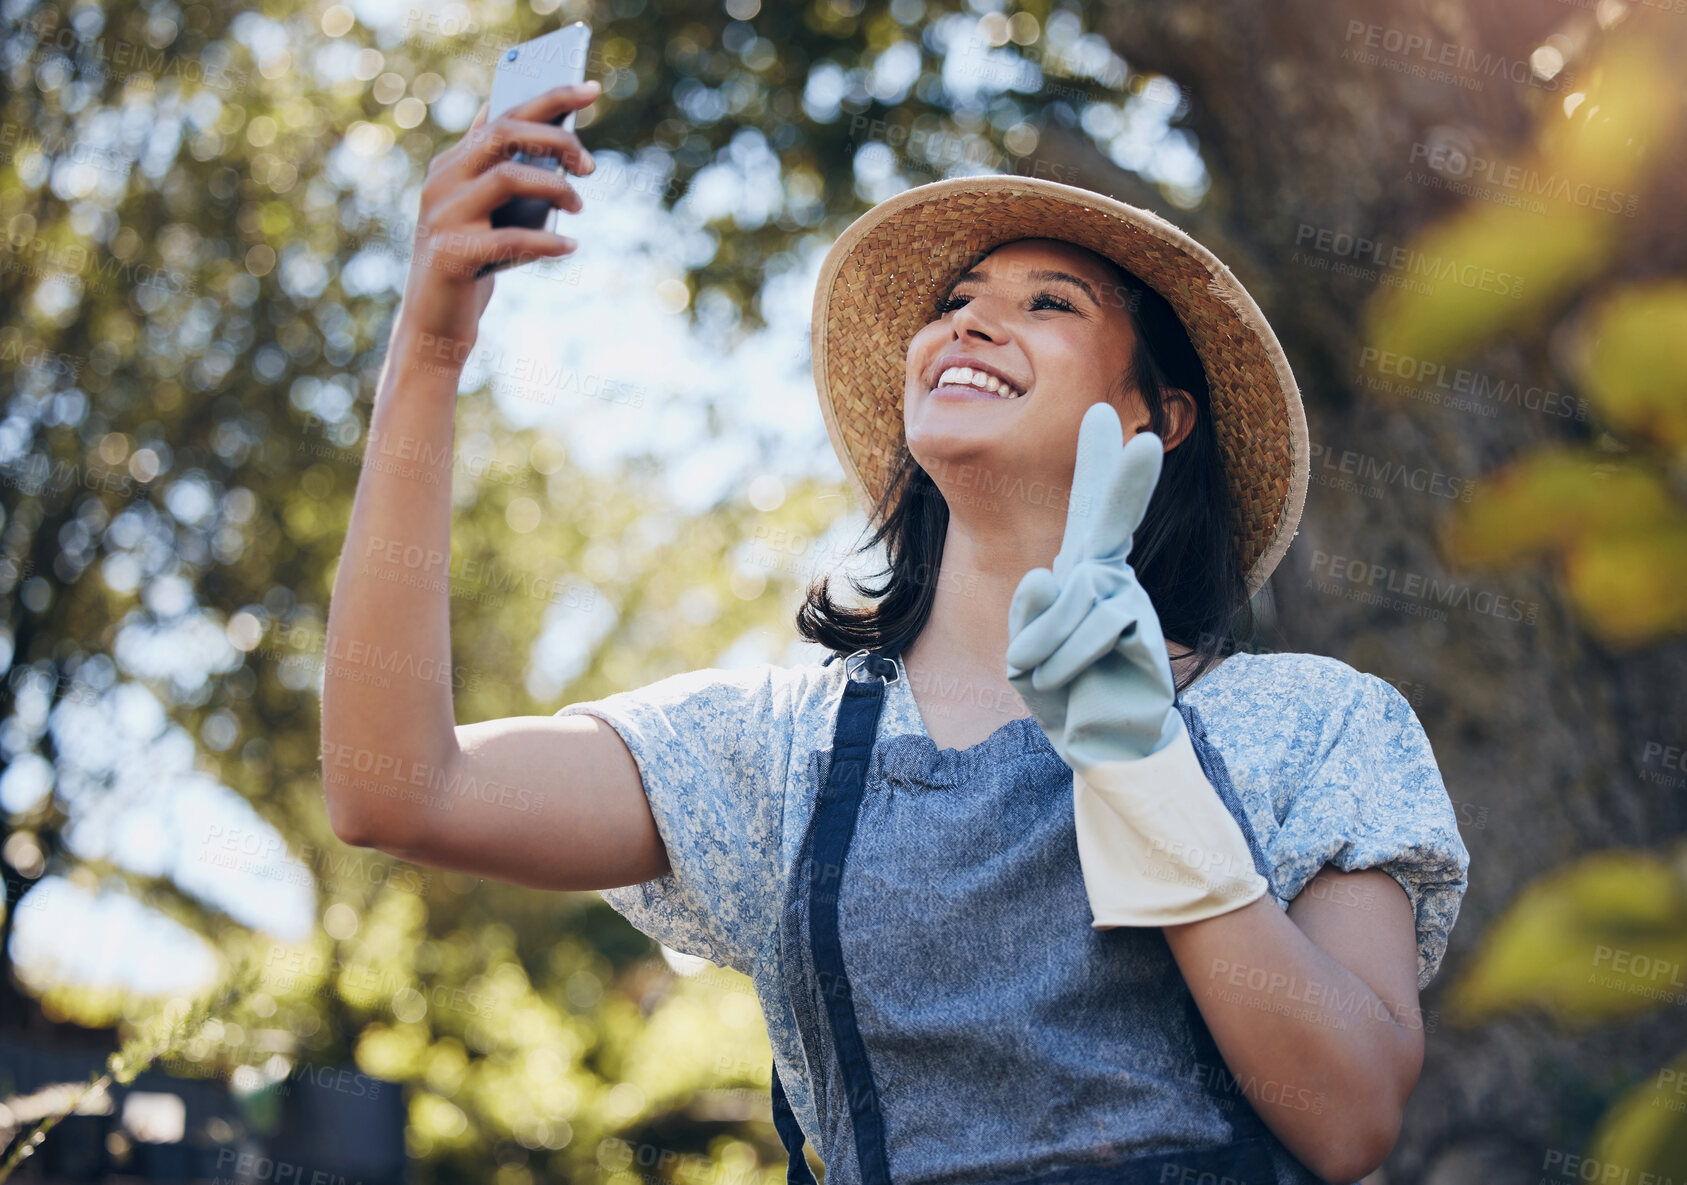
[(954, 1004)]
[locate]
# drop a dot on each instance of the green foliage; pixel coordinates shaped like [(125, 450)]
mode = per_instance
[(192, 337), (1634, 357), (160, 1034)]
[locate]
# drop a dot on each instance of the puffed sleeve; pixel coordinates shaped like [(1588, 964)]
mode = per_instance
[(712, 747), (1375, 799)]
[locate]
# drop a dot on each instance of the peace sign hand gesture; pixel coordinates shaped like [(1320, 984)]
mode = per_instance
[(1085, 650)]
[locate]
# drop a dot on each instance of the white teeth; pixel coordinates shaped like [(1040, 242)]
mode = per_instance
[(984, 381)]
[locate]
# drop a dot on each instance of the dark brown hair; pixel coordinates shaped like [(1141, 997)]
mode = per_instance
[(1183, 552)]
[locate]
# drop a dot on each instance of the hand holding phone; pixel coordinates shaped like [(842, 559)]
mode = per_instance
[(525, 72), (458, 243)]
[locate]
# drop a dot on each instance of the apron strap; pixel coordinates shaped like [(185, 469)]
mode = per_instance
[(834, 826), (785, 1123)]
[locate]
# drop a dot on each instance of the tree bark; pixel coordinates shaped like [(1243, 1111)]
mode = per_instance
[(1538, 731)]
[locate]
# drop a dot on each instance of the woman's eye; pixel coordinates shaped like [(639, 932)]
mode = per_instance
[(1043, 300)]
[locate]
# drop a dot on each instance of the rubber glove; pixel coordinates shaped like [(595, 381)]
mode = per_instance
[(1085, 650)]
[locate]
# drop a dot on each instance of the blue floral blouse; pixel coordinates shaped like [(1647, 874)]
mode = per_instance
[(1331, 764)]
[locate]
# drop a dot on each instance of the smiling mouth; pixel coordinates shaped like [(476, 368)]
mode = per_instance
[(977, 380)]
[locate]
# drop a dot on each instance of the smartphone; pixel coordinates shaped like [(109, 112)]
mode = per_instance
[(524, 72)]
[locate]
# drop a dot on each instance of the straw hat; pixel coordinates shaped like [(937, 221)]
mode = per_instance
[(882, 280)]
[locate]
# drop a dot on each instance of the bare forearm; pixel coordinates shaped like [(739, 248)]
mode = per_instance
[(387, 708), (1315, 1050)]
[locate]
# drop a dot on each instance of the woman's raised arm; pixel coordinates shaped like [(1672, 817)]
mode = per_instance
[(533, 800)]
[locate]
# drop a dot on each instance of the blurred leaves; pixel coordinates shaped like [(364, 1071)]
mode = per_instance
[(1512, 267), (1613, 515), (1646, 1132), (1619, 531), (159, 1033), (208, 213), (202, 258), (1634, 363), (1602, 937)]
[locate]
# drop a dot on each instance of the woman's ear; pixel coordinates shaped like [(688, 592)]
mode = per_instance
[(1179, 408)]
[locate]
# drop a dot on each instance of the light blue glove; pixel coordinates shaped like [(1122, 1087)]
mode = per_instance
[(1086, 653), (1062, 623)]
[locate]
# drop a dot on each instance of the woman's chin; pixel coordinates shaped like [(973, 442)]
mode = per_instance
[(946, 441), (964, 430)]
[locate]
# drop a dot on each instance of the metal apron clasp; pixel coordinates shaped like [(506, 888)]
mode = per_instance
[(876, 663)]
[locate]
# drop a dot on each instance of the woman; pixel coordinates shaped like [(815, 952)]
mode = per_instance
[(1062, 908)]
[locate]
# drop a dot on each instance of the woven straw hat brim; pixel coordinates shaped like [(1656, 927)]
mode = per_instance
[(881, 282)]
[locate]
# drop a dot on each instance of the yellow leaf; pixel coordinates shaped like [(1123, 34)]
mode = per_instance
[(1495, 266), (1484, 271), (1645, 1132), (1603, 937), (1553, 497), (1634, 361), (1630, 589)]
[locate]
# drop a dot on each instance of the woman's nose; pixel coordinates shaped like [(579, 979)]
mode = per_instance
[(969, 321)]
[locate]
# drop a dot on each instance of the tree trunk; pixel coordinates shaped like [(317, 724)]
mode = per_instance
[(1539, 732)]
